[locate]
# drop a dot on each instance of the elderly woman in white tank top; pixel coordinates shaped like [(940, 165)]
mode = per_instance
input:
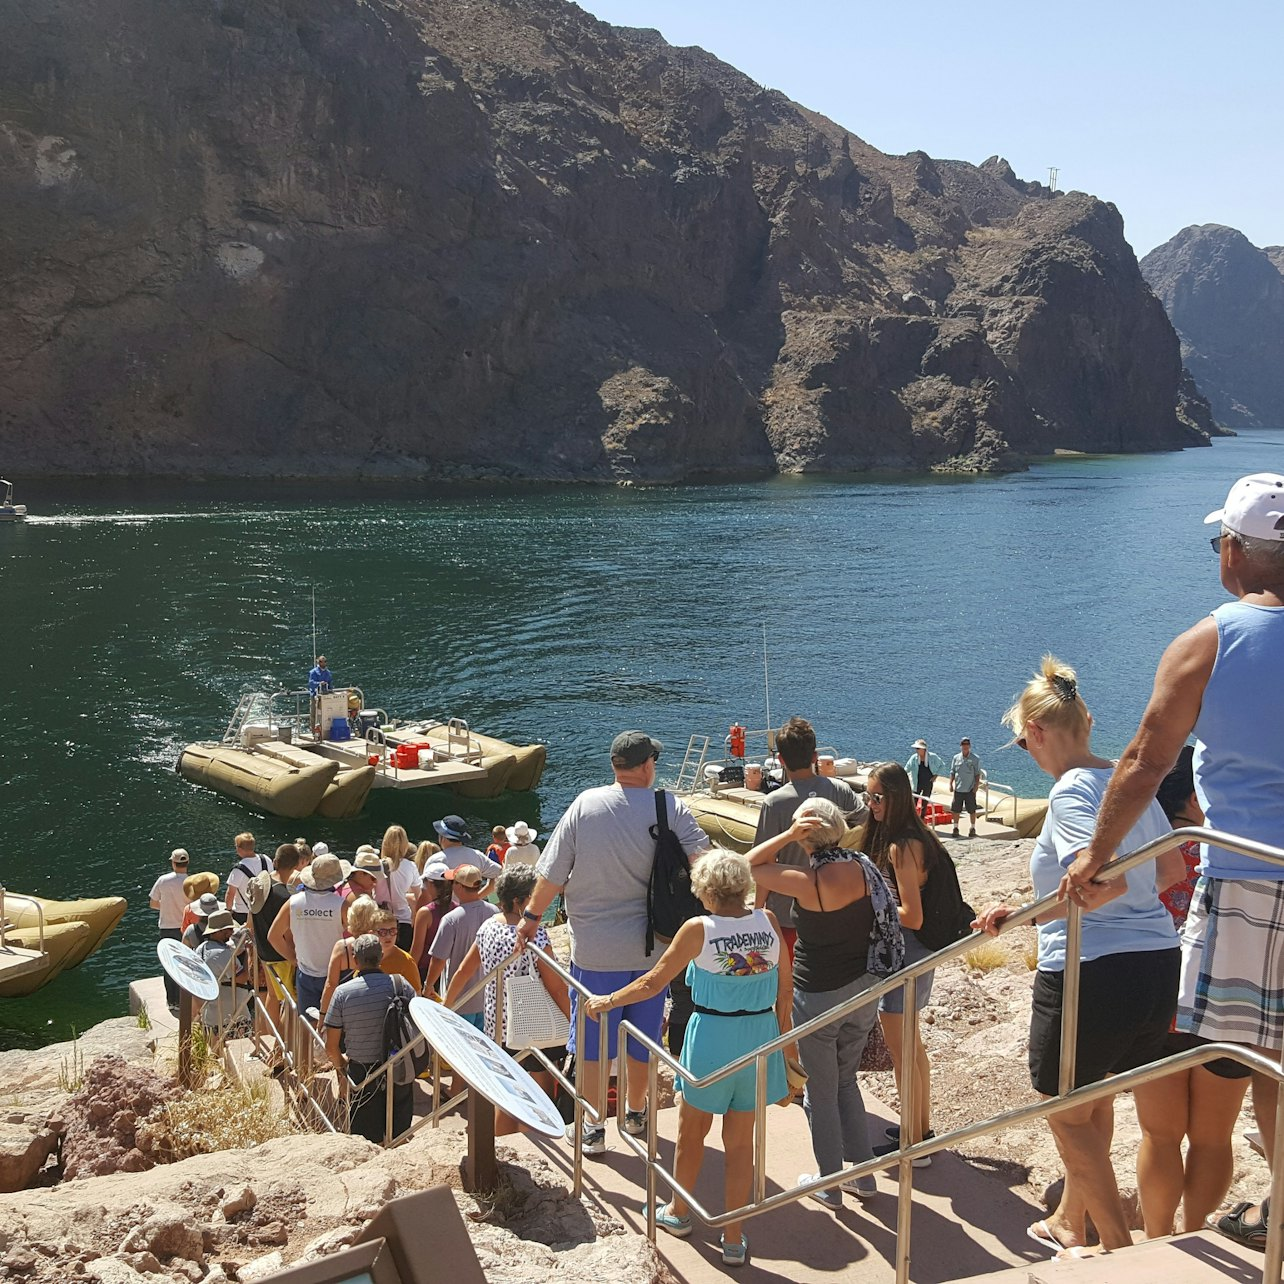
[(741, 983)]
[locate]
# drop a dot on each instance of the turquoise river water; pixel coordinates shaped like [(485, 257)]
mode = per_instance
[(134, 617)]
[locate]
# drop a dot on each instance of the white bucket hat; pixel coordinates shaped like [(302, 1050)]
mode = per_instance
[(521, 833), (325, 873)]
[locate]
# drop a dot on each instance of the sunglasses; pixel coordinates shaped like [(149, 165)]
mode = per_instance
[(876, 798), (1021, 744), (1216, 542), (385, 931)]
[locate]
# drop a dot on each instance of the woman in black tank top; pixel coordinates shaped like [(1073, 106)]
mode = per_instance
[(905, 851), (834, 920)]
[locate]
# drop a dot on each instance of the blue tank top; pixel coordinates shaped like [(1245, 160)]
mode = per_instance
[(1239, 748)]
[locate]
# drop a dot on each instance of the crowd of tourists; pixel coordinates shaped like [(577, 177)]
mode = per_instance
[(842, 890)]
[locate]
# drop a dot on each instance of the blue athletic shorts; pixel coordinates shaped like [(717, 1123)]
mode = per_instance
[(648, 1015), (477, 1019)]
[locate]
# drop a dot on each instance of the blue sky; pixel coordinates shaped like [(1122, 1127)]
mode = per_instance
[(1173, 111)]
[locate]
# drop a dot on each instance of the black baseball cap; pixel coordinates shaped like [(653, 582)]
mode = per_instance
[(633, 748)]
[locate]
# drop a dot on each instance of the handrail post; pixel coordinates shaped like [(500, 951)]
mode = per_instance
[(1273, 1266), (1070, 999), (387, 1104), (909, 1112), (652, 1096), (578, 1123), (760, 1131)]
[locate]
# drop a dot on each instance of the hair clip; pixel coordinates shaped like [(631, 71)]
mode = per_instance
[(1066, 688)]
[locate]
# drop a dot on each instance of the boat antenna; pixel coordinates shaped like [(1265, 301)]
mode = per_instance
[(766, 689), (314, 624)]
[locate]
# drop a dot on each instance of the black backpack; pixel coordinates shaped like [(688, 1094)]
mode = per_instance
[(399, 1031), (947, 917), (670, 902)]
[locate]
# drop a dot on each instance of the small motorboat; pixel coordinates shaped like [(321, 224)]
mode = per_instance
[(9, 511), (292, 754)]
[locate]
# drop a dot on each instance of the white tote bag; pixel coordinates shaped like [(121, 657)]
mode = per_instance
[(531, 1018)]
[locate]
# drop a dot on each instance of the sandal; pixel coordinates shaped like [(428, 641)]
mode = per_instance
[(1234, 1226)]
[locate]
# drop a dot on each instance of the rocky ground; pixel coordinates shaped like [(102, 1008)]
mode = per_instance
[(123, 1215), (120, 1217)]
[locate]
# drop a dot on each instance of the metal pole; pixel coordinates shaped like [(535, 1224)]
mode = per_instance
[(576, 1149), (499, 1007), (1273, 1267), (909, 1111), (1070, 998), (760, 1131), (184, 1037), (652, 1096), (387, 1104)]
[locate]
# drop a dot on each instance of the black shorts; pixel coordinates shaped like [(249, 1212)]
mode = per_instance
[(1127, 1004), (964, 801), (1223, 1067)]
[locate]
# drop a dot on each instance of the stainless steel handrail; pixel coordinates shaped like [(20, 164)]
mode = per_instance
[(909, 976)]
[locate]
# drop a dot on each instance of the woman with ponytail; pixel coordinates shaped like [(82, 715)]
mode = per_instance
[(1129, 960)]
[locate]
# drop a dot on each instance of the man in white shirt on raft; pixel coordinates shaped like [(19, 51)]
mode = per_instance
[(602, 852)]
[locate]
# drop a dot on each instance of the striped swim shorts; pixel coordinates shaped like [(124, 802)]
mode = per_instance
[(1232, 976)]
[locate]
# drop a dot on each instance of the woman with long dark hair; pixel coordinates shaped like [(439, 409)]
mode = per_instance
[(906, 853)]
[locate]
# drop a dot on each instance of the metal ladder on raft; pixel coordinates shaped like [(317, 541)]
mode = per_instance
[(693, 761), (240, 716)]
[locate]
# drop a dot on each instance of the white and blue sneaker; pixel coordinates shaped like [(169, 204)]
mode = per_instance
[(734, 1254), (667, 1221), (592, 1140)]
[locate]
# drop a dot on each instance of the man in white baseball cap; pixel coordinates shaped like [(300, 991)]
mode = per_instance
[(1221, 681)]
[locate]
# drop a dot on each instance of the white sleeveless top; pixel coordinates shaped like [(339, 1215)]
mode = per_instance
[(738, 946), (315, 925)]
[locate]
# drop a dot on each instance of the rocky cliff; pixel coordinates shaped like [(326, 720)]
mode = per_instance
[(408, 237), (1225, 298)]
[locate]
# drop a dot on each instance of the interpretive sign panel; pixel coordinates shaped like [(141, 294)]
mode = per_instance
[(186, 970), (486, 1067)]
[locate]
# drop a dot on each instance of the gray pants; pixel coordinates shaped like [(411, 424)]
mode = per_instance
[(831, 1057)]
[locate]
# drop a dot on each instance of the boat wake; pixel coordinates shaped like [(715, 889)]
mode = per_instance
[(114, 519)]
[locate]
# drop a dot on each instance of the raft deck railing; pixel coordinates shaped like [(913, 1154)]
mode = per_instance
[(16, 961)]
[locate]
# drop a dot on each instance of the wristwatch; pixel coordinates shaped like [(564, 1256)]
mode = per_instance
[(529, 917)]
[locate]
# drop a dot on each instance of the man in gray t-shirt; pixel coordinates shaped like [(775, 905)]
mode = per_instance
[(796, 745), (602, 853), (965, 776)]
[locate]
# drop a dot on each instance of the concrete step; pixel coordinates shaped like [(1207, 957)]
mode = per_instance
[(1198, 1258), (967, 1220)]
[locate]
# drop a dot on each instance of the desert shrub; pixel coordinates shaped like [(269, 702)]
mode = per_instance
[(988, 956)]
